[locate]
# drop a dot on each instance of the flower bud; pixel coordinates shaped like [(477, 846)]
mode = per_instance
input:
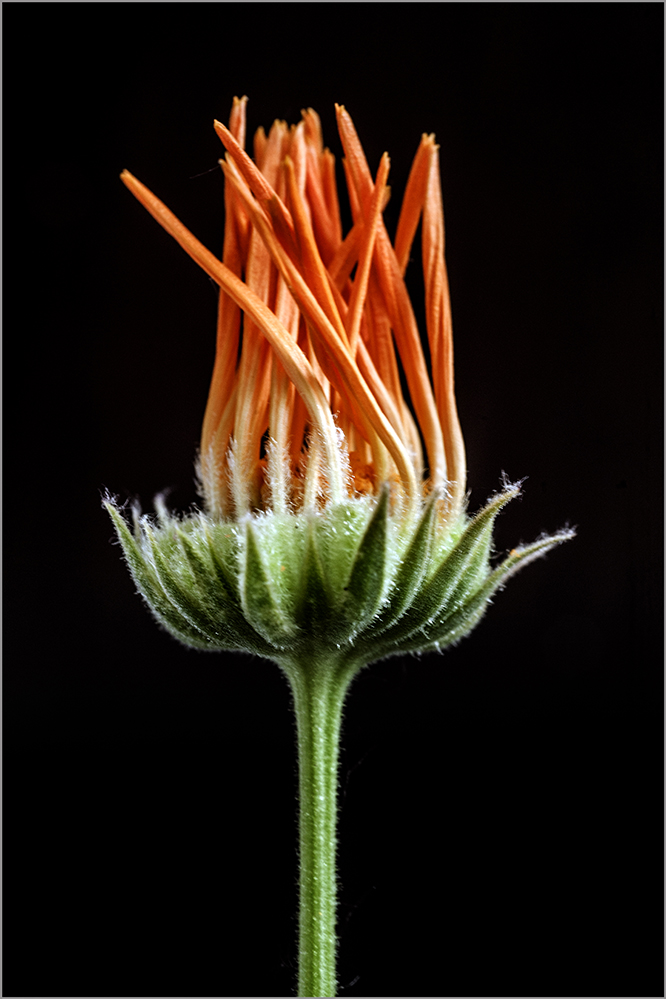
[(334, 523)]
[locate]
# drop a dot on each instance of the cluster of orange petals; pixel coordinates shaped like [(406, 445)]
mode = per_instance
[(327, 324)]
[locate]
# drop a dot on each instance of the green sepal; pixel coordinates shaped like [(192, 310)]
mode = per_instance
[(218, 596), (412, 571), (212, 585), (313, 611), (338, 532), (224, 549), (464, 619), (520, 557), (461, 572), (364, 592), (261, 608), (348, 584), (182, 596), (150, 589)]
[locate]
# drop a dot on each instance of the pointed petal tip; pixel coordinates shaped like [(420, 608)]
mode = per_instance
[(221, 129)]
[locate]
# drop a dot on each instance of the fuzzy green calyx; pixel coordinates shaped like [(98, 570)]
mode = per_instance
[(351, 581)]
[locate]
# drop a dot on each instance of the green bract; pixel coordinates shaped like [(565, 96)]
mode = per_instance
[(350, 581)]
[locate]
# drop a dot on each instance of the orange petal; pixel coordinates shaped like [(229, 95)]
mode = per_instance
[(360, 286), (440, 330), (294, 361), (254, 178), (338, 364), (412, 202), (399, 309), (228, 313)]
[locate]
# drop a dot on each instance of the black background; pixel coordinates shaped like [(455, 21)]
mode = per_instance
[(501, 816)]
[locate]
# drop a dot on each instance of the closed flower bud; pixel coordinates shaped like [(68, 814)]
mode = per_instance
[(334, 529), (321, 536)]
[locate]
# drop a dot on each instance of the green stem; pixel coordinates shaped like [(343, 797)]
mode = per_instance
[(319, 690)]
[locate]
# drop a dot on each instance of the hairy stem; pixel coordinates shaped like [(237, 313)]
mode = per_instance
[(319, 690)]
